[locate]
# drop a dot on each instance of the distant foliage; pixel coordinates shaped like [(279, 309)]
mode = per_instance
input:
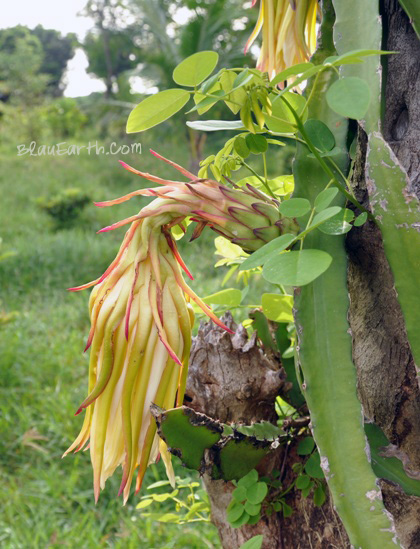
[(66, 207)]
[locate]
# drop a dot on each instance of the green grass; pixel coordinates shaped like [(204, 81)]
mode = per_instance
[(46, 501)]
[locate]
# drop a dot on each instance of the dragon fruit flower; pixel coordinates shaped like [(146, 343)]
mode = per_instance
[(289, 33), (141, 319)]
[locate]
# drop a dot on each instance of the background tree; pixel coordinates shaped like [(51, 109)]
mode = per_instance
[(21, 57), (57, 51)]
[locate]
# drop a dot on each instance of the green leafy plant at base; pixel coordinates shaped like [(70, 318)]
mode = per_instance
[(191, 502)]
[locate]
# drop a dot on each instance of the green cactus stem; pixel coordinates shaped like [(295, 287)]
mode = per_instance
[(324, 349)]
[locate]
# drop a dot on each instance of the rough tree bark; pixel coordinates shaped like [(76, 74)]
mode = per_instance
[(232, 380), (387, 379)]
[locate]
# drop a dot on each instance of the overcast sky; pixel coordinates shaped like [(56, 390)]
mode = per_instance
[(62, 16)]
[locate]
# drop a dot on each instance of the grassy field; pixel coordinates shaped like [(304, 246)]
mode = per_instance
[(46, 501)]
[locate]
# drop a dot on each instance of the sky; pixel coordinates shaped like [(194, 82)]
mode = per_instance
[(62, 16)]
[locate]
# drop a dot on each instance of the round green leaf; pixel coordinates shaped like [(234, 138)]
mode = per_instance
[(349, 96), (249, 479), (243, 519), (296, 268), (324, 199), (302, 482), (295, 207), (234, 511), (256, 143), (320, 135), (305, 446), (260, 256), (252, 508), (253, 543), (287, 510), (195, 68), (156, 109), (256, 492), (360, 219), (313, 466), (241, 147), (319, 495), (339, 223), (277, 308), (239, 494), (324, 215)]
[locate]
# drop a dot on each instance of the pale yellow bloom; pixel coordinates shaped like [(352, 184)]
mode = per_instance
[(288, 33)]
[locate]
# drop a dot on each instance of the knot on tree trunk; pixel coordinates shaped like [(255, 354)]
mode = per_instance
[(230, 377)]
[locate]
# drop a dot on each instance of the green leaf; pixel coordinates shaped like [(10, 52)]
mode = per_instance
[(354, 56), (243, 519), (214, 125), (277, 308), (313, 466), (241, 147), (339, 223), (156, 109), (295, 207), (144, 503), (203, 104), (324, 199), (296, 268), (158, 484), (302, 482), (319, 495), (231, 297), (259, 257), (320, 134), (256, 143), (195, 68), (239, 494), (242, 79), (163, 497), (209, 83), (256, 492), (253, 543), (349, 97), (291, 71), (249, 479), (234, 511), (237, 97), (360, 219), (323, 216), (305, 446), (252, 508), (282, 119), (306, 491), (287, 510), (168, 517)]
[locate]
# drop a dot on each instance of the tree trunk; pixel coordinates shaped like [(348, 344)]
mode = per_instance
[(232, 380), (387, 381)]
